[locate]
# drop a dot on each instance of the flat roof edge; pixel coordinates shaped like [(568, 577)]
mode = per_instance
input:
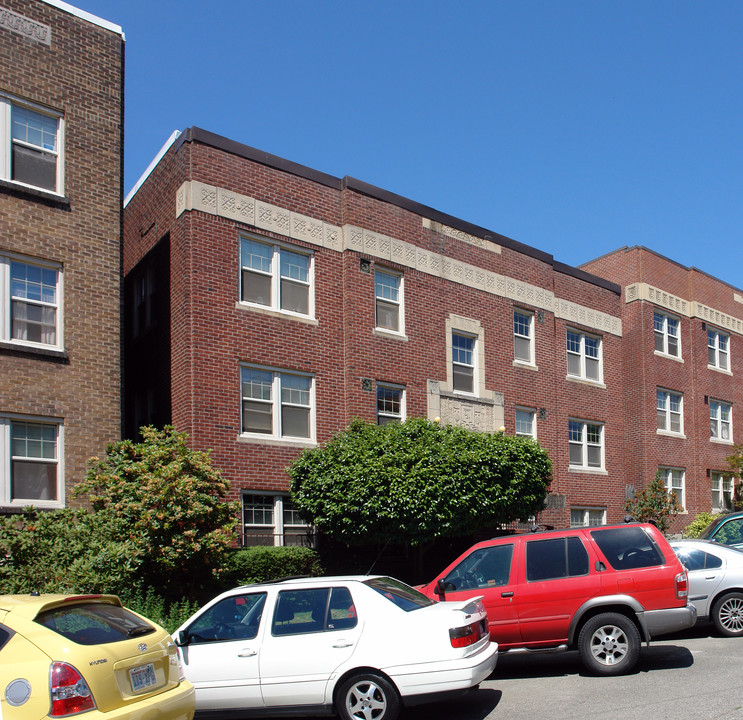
[(143, 177), (83, 15)]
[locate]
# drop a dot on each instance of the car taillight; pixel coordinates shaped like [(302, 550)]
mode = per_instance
[(682, 585), (70, 693), (467, 635)]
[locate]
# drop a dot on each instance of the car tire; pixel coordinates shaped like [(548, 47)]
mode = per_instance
[(367, 696), (609, 644), (727, 614)]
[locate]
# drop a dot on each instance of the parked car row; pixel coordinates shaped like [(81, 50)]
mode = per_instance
[(362, 647)]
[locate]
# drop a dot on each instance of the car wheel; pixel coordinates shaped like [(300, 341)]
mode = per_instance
[(609, 644), (727, 614), (367, 696)]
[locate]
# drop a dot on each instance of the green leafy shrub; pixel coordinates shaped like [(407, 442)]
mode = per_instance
[(415, 481), (151, 605), (698, 524), (68, 550), (261, 564), (171, 504), (654, 504)]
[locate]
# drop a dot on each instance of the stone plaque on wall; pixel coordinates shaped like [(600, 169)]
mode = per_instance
[(467, 413)]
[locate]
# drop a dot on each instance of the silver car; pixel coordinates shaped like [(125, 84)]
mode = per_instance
[(715, 582)]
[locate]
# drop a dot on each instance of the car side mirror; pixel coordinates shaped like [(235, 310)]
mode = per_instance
[(440, 589), (182, 638)]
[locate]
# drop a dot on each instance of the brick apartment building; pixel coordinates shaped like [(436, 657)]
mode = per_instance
[(269, 304), (683, 360), (61, 120)]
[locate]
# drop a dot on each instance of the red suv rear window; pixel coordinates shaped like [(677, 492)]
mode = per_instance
[(627, 548)]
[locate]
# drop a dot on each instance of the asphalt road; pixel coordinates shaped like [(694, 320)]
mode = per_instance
[(689, 676)]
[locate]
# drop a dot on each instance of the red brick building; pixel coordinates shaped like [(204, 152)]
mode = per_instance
[(61, 120), (683, 360), (269, 304)]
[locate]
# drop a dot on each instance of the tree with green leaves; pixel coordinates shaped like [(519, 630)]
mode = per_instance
[(654, 504), (416, 481), (170, 501)]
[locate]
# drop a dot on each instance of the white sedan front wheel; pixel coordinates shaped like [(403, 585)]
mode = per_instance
[(727, 614), (367, 696)]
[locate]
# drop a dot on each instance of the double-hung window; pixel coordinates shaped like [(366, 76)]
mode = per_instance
[(30, 302), (586, 444), (272, 520), (275, 277), (463, 362), (525, 422), (669, 408), (674, 480), (666, 329), (390, 404), (721, 420), (523, 337), (722, 492), (30, 145), (718, 349), (277, 404), (388, 301), (584, 356), (587, 517), (30, 462)]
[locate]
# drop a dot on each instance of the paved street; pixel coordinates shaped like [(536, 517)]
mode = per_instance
[(695, 675)]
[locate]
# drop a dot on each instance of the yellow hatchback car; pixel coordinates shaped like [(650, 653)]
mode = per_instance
[(62, 655)]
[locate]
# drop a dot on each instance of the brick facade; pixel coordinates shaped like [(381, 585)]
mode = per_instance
[(208, 192), (63, 69)]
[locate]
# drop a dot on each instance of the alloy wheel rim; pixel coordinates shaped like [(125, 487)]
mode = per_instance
[(609, 645), (731, 615), (366, 701)]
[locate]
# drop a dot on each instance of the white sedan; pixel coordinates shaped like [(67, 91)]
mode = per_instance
[(715, 582), (359, 646)]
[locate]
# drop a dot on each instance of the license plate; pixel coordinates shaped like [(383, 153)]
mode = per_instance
[(143, 677)]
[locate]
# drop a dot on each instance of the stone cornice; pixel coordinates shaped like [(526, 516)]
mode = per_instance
[(680, 306), (193, 195)]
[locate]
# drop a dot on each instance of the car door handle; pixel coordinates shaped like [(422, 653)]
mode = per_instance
[(247, 652), (342, 644), (507, 594)]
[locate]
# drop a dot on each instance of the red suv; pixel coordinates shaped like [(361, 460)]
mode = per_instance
[(602, 590)]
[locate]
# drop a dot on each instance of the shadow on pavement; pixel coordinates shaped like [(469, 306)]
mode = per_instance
[(536, 665), (475, 705)]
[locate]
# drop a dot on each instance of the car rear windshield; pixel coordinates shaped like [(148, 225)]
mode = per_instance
[(628, 547), (94, 623), (399, 593)]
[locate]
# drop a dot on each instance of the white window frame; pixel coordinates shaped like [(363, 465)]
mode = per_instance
[(723, 491), (664, 333), (276, 402), (6, 142), (590, 516), (584, 443), (275, 276), (674, 480), (583, 356), (458, 363), (278, 525), (532, 413), (717, 425), (387, 414), (6, 461), (6, 301), (719, 355), (663, 401), (397, 302), (529, 317)]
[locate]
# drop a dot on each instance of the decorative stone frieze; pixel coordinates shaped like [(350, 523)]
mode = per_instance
[(193, 195), (461, 235), (643, 291), (30, 29)]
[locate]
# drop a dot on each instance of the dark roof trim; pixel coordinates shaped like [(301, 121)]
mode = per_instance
[(196, 134)]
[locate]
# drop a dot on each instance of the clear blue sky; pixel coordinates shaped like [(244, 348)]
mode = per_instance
[(574, 126)]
